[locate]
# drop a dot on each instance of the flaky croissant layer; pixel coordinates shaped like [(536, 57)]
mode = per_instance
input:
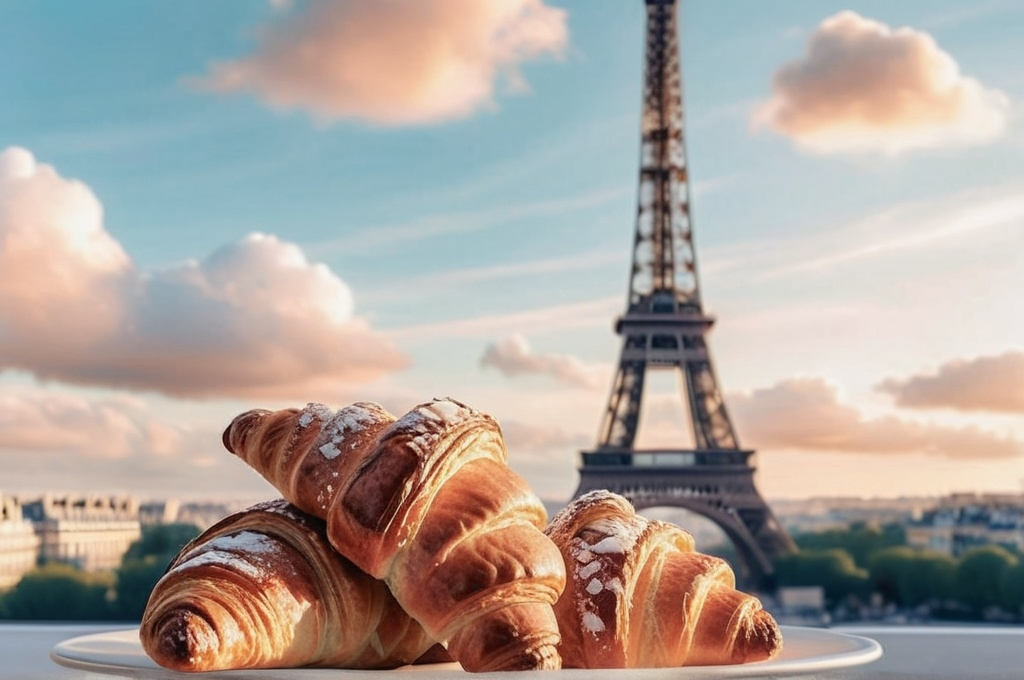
[(264, 589), (428, 504), (638, 594)]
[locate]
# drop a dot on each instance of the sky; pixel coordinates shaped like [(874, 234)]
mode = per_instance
[(210, 207)]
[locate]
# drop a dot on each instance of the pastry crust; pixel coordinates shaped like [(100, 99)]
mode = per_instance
[(428, 504), (263, 589), (639, 595)]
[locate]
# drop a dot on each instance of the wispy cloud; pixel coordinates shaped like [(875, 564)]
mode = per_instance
[(539, 441), (373, 237), (987, 383), (71, 440), (806, 413), (122, 135), (513, 356), (970, 13), (556, 317), (431, 284), (909, 227)]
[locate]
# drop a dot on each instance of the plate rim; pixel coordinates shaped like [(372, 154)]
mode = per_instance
[(862, 650)]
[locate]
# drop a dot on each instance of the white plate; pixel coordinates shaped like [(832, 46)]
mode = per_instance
[(805, 650)]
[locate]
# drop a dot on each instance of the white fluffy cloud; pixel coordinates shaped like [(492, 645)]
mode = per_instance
[(394, 62), (863, 86), (513, 357), (254, 319), (988, 383), (807, 414)]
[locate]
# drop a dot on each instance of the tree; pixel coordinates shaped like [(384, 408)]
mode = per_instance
[(144, 563), (980, 576), (1012, 588), (60, 592), (834, 570), (860, 540), (160, 540), (911, 577)]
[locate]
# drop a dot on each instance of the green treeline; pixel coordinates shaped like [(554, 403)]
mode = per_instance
[(861, 563), (855, 567), (61, 592)]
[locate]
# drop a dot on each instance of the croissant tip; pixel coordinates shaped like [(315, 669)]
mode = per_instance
[(183, 639), (762, 641), (541, 658), (240, 422)]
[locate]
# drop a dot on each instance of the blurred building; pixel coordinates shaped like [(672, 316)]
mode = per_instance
[(960, 522), (159, 512), (814, 515), (206, 514), (19, 544), (91, 532)]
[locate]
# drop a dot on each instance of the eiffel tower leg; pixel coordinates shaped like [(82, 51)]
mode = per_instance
[(619, 427), (712, 428)]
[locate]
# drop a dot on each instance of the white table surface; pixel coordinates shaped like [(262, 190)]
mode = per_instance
[(915, 652)]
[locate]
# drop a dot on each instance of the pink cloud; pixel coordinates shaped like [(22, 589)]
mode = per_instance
[(63, 441), (254, 319), (532, 440), (69, 424), (990, 383), (394, 62), (807, 414), (513, 357), (863, 86)]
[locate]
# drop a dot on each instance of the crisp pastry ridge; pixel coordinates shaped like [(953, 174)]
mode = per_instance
[(639, 595), (262, 588), (428, 504)]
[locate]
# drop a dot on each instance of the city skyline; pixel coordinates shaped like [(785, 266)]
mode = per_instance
[(264, 203)]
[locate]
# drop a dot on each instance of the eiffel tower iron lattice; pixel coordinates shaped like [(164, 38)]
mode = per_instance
[(665, 327)]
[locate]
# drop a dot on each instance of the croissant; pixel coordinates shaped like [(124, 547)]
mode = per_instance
[(639, 596), (428, 504), (262, 588)]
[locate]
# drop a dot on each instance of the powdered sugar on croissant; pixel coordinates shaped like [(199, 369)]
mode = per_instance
[(639, 595), (262, 588), (428, 504)]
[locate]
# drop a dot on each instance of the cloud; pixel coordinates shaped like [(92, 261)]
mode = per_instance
[(393, 62), (989, 383), (589, 313), (65, 441), (534, 441), (865, 87), (66, 423), (806, 414), (513, 357), (253, 319)]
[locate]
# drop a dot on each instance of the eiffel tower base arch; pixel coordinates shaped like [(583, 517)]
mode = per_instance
[(726, 496)]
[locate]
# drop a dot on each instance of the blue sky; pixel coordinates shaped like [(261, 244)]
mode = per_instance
[(475, 242)]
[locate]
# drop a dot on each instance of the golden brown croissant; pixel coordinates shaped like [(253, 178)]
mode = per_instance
[(262, 588), (639, 596), (428, 504)]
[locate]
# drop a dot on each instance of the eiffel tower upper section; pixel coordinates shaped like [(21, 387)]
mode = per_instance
[(664, 324), (664, 277)]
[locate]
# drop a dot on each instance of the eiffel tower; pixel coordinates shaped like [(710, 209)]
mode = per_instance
[(665, 327)]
